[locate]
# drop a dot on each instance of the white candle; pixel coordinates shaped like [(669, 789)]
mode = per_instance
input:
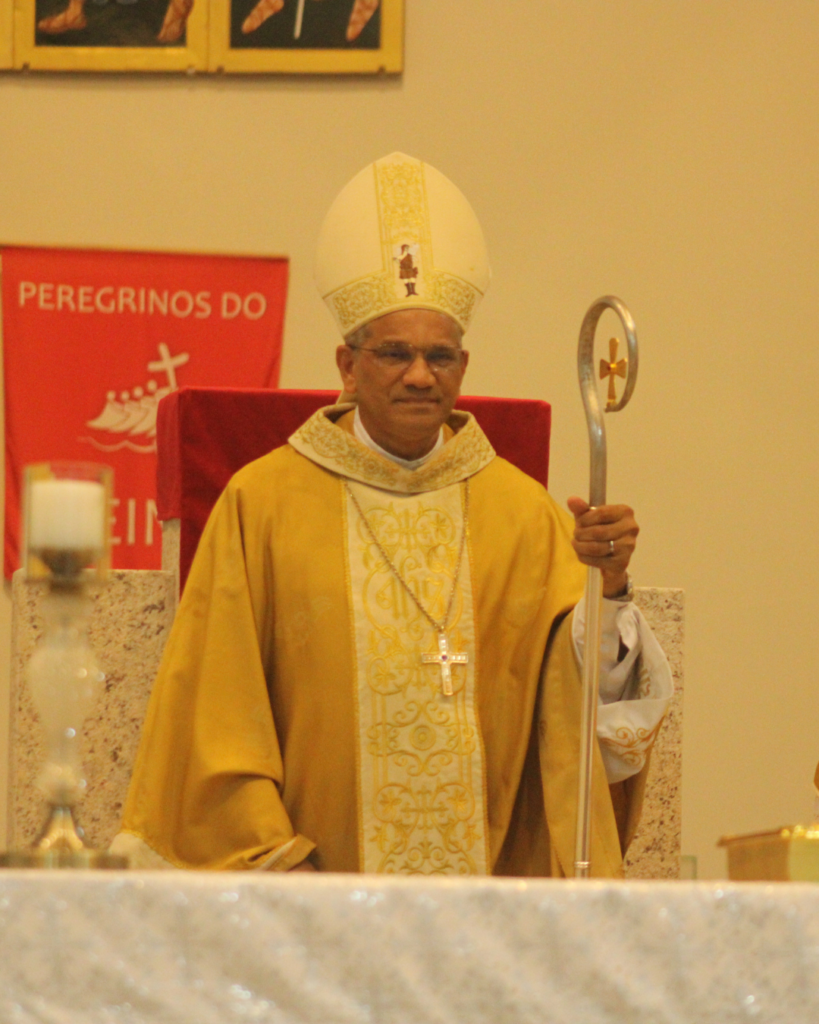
[(66, 515)]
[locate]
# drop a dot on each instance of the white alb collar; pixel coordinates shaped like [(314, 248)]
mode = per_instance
[(362, 435)]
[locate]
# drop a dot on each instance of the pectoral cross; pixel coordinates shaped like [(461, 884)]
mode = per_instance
[(611, 369), (445, 660)]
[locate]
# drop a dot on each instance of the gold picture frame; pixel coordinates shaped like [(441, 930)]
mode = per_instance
[(134, 21), (224, 36), (322, 47), (6, 34)]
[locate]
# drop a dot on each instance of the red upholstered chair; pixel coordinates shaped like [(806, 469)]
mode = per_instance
[(206, 434)]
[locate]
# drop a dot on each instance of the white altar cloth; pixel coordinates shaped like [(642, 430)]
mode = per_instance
[(174, 948)]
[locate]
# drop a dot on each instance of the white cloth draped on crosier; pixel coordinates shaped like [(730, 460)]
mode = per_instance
[(635, 690)]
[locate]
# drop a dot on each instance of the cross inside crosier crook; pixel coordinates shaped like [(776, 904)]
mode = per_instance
[(594, 578)]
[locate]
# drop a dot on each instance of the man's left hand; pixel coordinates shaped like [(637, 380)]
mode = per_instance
[(605, 537)]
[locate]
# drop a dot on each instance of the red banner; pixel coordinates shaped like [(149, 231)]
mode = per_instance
[(93, 340)]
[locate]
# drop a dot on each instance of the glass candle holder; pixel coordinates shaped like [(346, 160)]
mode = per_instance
[(67, 547)]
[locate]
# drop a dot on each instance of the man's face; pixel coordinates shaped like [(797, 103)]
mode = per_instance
[(403, 403)]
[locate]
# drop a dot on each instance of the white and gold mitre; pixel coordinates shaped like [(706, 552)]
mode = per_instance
[(400, 236)]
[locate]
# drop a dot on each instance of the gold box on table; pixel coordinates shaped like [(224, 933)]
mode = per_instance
[(788, 854)]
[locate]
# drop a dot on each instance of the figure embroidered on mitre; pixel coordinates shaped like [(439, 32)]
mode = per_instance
[(407, 269)]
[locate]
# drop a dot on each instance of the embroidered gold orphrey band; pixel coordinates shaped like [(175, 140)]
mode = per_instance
[(404, 225), (321, 441), (444, 657), (420, 754)]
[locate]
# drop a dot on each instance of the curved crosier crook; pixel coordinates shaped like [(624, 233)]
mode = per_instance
[(594, 581), (588, 386)]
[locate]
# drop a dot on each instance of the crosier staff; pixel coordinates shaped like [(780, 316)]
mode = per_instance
[(597, 496)]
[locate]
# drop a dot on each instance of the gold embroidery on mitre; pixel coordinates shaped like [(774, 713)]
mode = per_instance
[(403, 214), (454, 295), (355, 302), (420, 756), (321, 441), (408, 272)]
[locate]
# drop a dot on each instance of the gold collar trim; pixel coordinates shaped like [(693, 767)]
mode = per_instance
[(330, 446)]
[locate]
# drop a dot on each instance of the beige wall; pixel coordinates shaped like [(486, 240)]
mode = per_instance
[(663, 151)]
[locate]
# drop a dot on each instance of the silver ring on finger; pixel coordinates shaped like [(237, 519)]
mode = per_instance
[(611, 548)]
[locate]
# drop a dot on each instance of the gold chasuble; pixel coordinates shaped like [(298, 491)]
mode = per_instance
[(372, 666)]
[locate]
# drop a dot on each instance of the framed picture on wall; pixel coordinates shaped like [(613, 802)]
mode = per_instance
[(251, 36), (110, 35), (6, 34), (312, 36)]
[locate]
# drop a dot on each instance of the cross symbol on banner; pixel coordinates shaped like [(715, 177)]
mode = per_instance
[(611, 369), (168, 364), (445, 660)]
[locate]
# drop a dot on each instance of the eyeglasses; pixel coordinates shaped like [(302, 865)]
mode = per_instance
[(400, 356)]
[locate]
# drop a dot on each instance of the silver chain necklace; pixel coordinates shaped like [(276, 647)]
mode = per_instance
[(444, 658)]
